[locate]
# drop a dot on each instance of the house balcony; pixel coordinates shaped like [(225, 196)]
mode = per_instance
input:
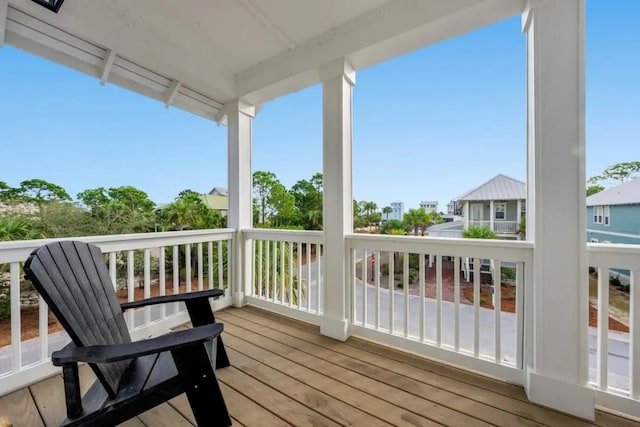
[(415, 336), (499, 227)]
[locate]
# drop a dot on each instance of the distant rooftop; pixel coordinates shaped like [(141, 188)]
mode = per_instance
[(219, 191), (500, 187), (623, 194)]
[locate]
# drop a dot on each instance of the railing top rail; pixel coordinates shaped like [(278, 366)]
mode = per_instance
[(16, 251), (614, 255), (484, 248), (284, 235)]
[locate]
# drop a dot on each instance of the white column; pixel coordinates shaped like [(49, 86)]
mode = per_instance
[(239, 120), (557, 369), (492, 214), (337, 80), (465, 213)]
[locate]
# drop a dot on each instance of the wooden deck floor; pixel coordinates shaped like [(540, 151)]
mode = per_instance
[(284, 373)]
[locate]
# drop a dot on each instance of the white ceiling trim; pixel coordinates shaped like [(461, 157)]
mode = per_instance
[(393, 29), (4, 7), (35, 36)]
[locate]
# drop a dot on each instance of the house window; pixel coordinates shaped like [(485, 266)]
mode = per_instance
[(607, 215), (500, 209), (597, 214)]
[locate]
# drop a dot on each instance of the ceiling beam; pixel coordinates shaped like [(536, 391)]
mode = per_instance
[(393, 29), (172, 92), (107, 65), (4, 7), (267, 24)]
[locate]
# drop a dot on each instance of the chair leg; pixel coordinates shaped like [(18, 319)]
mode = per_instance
[(201, 386), (200, 314)]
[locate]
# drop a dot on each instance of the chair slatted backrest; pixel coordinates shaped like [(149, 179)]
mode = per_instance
[(73, 279)]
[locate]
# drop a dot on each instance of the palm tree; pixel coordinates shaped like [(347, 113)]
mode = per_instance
[(16, 229), (387, 210), (418, 219)]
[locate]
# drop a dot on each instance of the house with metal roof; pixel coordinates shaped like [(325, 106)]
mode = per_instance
[(613, 215), (498, 204)]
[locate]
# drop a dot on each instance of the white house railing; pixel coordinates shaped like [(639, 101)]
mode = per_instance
[(195, 260), (614, 358), (426, 311), (500, 227), (286, 272)]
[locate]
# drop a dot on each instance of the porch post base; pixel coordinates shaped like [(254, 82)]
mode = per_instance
[(570, 398), (239, 299), (338, 329)]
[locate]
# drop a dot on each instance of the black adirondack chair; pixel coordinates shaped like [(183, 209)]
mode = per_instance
[(132, 377)]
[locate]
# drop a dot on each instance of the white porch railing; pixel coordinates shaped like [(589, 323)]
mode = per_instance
[(440, 323), (615, 364), (199, 258), (287, 272), (500, 227)]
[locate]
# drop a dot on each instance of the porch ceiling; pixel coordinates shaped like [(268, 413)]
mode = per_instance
[(201, 56)]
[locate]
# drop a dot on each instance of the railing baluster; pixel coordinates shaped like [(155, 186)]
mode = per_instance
[(147, 284), (353, 264), (438, 299), (365, 280), (308, 277), (176, 276), (634, 336), (520, 284), (497, 307), (318, 281), (476, 306), (162, 278), (275, 270), (282, 272), (299, 289), (290, 244), (405, 286), (200, 267), (43, 328), (260, 282), (456, 303), (130, 285), (267, 271), (113, 270), (187, 266), (391, 286), (16, 339), (221, 264), (603, 327), (210, 264), (422, 294), (377, 280)]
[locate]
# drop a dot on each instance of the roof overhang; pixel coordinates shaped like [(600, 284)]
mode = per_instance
[(201, 56)]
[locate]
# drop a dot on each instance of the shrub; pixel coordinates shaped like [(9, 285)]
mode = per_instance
[(592, 270), (626, 288), (507, 274), (476, 232)]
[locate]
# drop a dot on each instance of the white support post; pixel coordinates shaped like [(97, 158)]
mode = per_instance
[(557, 371), (338, 79), (465, 214), (492, 214), (239, 121)]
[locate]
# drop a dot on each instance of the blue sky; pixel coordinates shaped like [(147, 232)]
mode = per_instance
[(427, 126)]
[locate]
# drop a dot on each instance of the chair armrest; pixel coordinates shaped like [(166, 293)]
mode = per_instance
[(117, 352), (212, 293)]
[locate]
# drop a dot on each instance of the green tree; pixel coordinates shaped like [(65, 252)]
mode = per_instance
[(477, 232), (119, 209), (8, 193), (593, 189), (274, 204), (417, 219), (387, 210), (393, 226), (189, 212), (40, 193), (619, 172), (308, 202)]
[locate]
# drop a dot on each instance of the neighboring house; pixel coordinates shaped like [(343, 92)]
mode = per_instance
[(498, 204), (453, 208), (613, 215), (217, 202), (447, 229), (219, 191), (397, 212), (429, 206)]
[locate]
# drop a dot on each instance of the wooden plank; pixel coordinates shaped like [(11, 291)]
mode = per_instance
[(134, 422), (354, 356), (293, 385), (49, 398), (605, 419), (390, 404), (243, 411), (267, 397), (163, 416), (19, 409)]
